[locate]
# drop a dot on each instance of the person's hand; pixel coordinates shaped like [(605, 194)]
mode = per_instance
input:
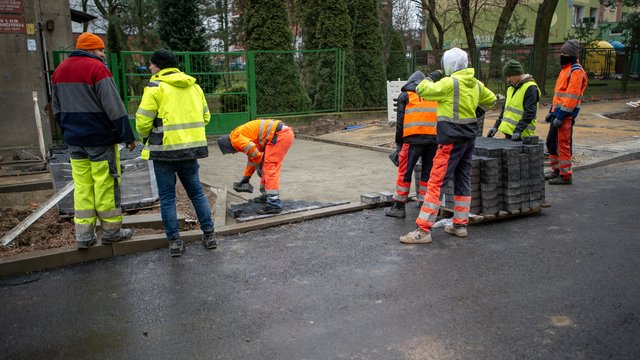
[(492, 132), (245, 179), (131, 146), (557, 123), (516, 136), (549, 118), (435, 75)]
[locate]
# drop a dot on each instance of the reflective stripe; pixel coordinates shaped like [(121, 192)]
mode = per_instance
[(84, 229), (420, 109), (564, 162), (109, 213), (567, 95), (262, 135), (249, 163), (108, 225), (565, 108), (457, 121), (461, 216), (253, 153), (514, 110), (85, 214), (566, 170), (422, 123), (431, 218), (273, 193), (400, 197), (147, 113), (192, 125), (456, 100), (402, 188), (177, 146), (248, 147)]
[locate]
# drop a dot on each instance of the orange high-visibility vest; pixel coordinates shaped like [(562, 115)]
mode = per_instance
[(420, 116), (570, 86)]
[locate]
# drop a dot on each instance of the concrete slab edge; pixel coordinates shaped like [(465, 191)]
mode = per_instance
[(346, 143), (615, 159), (69, 255)]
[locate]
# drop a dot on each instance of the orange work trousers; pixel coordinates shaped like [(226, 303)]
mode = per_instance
[(559, 144), (274, 153)]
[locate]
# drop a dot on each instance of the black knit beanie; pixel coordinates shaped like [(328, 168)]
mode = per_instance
[(511, 68), (164, 58)]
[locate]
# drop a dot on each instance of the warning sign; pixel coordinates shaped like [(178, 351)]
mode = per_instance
[(11, 6), (12, 24)]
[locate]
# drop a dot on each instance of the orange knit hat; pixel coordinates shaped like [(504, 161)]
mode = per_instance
[(89, 41)]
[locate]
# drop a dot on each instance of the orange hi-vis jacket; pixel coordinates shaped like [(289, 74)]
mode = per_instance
[(570, 86), (252, 138), (420, 116)]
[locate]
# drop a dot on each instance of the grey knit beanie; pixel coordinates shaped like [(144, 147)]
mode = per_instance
[(570, 47), (224, 143), (512, 67)]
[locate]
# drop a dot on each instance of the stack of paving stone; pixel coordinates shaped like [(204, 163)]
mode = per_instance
[(506, 176)]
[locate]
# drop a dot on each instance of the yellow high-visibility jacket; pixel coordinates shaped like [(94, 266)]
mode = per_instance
[(172, 117)]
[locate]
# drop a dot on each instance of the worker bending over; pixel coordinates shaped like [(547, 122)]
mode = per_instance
[(458, 95), (265, 142)]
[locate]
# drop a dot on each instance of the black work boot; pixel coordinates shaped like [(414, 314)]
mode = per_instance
[(209, 240), (551, 174), (396, 210), (176, 247), (559, 180), (262, 199)]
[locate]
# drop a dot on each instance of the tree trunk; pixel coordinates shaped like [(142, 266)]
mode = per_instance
[(498, 37), (541, 41), (467, 24)]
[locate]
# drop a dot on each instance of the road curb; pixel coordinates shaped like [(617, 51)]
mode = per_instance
[(68, 255), (615, 159)]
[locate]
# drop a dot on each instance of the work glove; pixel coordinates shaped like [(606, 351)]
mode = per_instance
[(259, 169), (245, 179), (549, 118), (557, 123), (492, 132), (516, 136), (394, 157), (435, 75)]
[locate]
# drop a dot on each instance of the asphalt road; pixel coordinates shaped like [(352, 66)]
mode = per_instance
[(560, 285)]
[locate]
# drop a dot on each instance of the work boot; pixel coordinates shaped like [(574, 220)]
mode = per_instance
[(176, 247), (457, 230), (551, 174), (560, 181), (123, 234), (269, 210), (209, 240), (418, 236), (395, 210), (86, 244), (262, 199)]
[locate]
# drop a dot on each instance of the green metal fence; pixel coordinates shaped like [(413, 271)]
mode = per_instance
[(240, 86)]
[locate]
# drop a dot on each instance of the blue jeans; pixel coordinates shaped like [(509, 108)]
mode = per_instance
[(187, 171)]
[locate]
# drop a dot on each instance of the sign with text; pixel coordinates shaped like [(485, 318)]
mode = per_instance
[(393, 91), (12, 24), (11, 6)]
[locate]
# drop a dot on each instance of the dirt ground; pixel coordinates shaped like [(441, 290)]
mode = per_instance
[(51, 231)]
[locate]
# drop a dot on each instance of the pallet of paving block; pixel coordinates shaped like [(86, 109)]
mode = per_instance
[(502, 214)]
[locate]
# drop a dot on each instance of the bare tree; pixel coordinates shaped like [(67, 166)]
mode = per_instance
[(499, 36), (541, 40), (439, 17), (112, 10)]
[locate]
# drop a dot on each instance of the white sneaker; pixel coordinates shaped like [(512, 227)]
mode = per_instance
[(459, 231), (418, 236)]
